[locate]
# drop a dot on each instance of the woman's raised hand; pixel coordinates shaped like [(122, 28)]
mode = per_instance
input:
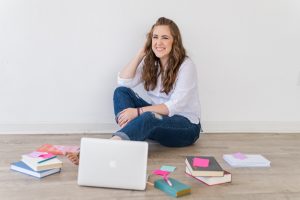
[(142, 51)]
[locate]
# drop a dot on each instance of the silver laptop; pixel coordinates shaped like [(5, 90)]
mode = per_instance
[(113, 163)]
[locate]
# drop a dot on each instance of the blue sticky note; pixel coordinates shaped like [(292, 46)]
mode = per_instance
[(168, 168)]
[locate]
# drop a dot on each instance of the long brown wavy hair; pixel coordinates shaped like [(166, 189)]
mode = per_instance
[(152, 65)]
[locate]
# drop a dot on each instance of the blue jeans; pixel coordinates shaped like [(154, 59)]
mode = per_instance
[(175, 131)]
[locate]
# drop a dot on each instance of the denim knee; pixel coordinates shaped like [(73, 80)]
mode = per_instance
[(139, 128), (121, 90)]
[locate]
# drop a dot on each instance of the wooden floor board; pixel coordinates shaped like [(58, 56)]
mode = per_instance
[(279, 182)]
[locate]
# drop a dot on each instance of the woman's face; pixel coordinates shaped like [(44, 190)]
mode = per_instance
[(162, 41)]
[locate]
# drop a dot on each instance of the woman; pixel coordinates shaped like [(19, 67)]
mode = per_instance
[(170, 79)]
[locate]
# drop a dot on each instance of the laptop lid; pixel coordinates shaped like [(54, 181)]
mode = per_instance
[(113, 163)]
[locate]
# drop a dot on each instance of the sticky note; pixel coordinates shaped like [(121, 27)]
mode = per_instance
[(168, 168), (239, 156), (48, 155), (36, 154), (161, 172), (200, 162)]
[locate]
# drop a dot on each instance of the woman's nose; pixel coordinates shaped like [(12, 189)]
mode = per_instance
[(159, 41)]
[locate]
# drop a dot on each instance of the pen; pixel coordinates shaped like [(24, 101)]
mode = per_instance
[(41, 161), (168, 181)]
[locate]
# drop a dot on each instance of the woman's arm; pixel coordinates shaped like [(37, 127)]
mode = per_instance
[(129, 114), (128, 72), (159, 108)]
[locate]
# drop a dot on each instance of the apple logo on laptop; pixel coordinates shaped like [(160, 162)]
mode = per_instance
[(113, 164)]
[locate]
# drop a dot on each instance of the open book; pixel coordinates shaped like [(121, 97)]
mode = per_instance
[(58, 149)]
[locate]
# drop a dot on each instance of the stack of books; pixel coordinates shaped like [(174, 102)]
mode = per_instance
[(207, 170), (38, 164)]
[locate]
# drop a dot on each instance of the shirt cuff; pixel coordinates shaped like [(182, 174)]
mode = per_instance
[(123, 81), (170, 106)]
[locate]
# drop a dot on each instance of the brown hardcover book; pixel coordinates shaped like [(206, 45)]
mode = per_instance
[(213, 169)]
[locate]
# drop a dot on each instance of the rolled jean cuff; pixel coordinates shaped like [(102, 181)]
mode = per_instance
[(121, 135)]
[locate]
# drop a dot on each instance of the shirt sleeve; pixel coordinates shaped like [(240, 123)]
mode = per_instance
[(185, 90), (136, 80)]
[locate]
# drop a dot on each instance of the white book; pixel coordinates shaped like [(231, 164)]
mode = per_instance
[(49, 164), (250, 160), (23, 168)]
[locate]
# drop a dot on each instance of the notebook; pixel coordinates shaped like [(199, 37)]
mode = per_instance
[(23, 168), (250, 160), (212, 169), (211, 180), (45, 165), (177, 189), (113, 163)]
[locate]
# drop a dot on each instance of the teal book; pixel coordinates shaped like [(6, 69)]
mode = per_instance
[(176, 190)]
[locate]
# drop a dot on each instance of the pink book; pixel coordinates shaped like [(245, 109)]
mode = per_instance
[(58, 149)]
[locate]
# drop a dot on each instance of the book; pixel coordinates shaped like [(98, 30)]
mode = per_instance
[(176, 190), (34, 164), (41, 156), (58, 149), (213, 168), (250, 160), (211, 180), (23, 168)]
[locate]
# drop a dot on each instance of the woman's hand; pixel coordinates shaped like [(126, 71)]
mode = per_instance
[(142, 51), (126, 116)]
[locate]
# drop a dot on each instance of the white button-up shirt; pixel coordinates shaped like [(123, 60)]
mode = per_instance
[(182, 100)]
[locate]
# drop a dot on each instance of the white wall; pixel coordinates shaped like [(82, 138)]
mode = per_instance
[(59, 60)]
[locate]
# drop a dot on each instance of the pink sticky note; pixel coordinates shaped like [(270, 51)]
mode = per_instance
[(48, 155), (36, 154), (161, 172), (200, 162), (239, 156)]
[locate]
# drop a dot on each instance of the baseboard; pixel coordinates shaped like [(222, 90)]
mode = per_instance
[(207, 126), (252, 126), (72, 128)]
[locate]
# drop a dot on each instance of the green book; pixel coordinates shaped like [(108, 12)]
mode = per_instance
[(176, 190)]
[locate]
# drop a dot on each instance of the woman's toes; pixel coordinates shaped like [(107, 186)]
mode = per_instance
[(73, 157)]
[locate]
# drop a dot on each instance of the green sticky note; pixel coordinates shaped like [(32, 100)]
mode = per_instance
[(168, 168)]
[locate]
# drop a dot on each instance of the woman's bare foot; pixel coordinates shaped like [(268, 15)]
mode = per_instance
[(115, 137), (73, 157)]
